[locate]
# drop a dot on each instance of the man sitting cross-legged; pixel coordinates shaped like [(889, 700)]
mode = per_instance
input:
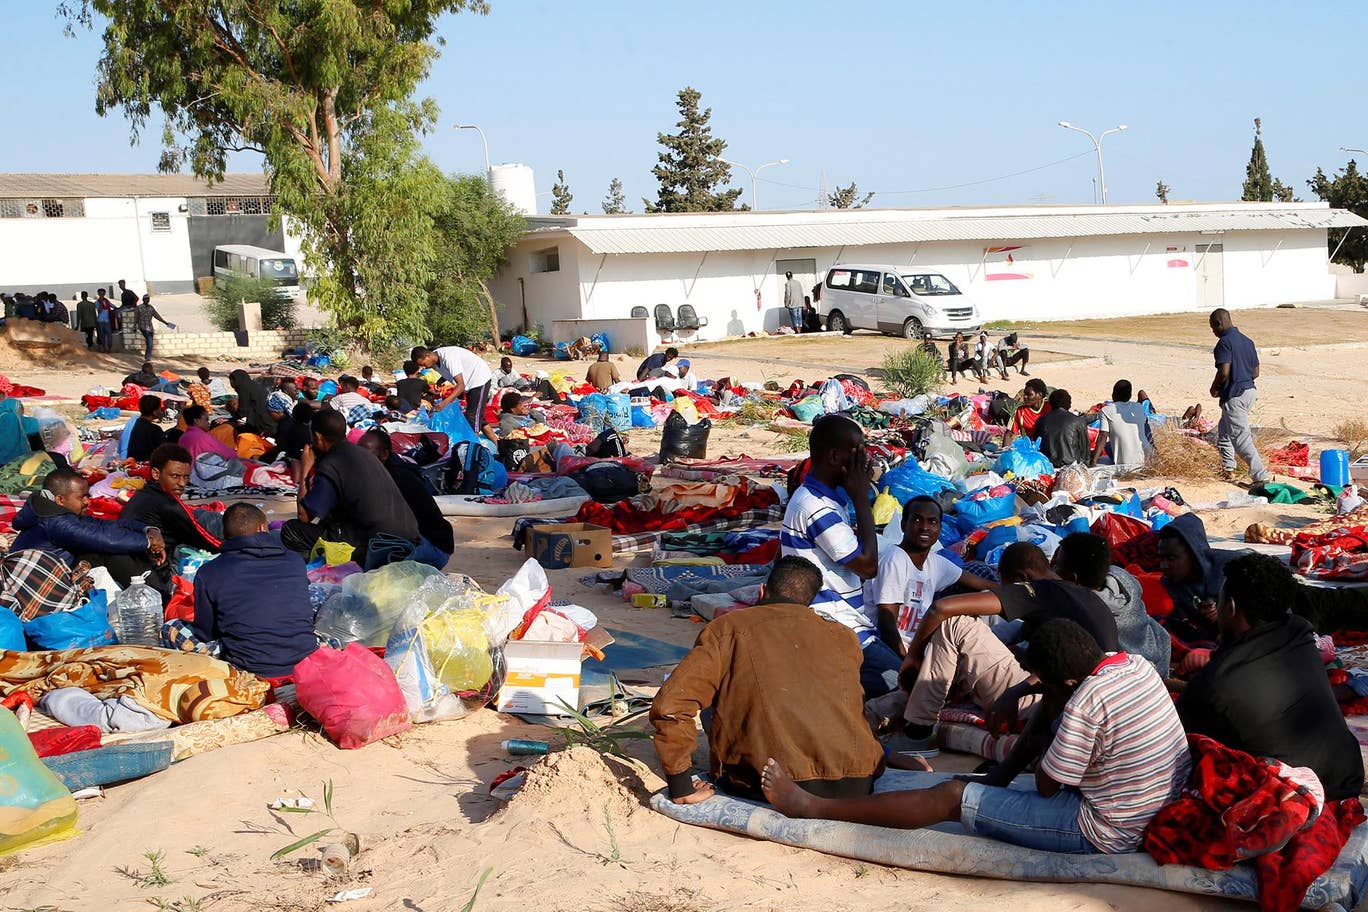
[(1119, 755), (953, 651), (781, 681)]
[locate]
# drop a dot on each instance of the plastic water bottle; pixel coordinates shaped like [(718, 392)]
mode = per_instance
[(138, 614)]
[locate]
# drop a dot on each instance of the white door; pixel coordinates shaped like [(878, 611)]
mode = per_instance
[(1210, 277)]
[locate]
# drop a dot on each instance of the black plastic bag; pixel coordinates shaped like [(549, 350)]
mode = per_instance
[(680, 441), (607, 482)]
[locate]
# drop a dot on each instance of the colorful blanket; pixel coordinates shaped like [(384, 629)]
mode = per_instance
[(637, 542), (1338, 554)]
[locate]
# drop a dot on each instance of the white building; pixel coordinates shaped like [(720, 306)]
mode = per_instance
[(579, 274), (67, 233)]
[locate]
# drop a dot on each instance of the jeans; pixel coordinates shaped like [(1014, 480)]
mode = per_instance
[(104, 337), (430, 554), (796, 318), (1234, 437), (147, 344), (1025, 818), (879, 670)]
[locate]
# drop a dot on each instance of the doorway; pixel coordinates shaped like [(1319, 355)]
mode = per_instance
[(805, 271), (1210, 276)]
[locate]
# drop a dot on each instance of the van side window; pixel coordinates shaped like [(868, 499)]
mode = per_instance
[(891, 285), (838, 278), (866, 282), (221, 259)]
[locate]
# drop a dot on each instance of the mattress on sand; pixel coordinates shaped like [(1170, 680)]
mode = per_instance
[(947, 849)]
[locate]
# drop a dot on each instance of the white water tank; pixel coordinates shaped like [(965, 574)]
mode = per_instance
[(515, 183)]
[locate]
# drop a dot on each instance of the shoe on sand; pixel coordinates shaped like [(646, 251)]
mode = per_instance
[(915, 747)]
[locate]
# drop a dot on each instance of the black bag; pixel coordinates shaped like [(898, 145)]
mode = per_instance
[(1000, 409), (607, 482), (680, 441), (513, 452), (607, 445)]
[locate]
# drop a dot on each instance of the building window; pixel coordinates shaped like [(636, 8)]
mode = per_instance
[(42, 208), (547, 260), (161, 221), (230, 205)]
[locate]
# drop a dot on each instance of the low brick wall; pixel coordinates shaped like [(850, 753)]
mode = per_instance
[(266, 345)]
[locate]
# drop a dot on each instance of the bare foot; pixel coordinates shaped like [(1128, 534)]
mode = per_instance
[(785, 794)]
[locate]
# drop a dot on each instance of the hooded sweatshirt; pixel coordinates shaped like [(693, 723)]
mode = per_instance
[(45, 525), (251, 397), (1137, 632), (254, 599), (1187, 622)]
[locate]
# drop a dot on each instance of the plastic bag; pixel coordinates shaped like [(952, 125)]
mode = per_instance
[(523, 346), (11, 631), (427, 698), (943, 456), (619, 413), (1118, 528), (86, 626), (352, 694), (686, 408), (978, 513), (458, 647), (35, 808), (370, 603), (522, 592), (1023, 459), (641, 416), (911, 480), (807, 409), (682, 440)]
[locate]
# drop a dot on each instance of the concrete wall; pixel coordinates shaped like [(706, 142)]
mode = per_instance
[(623, 334), (209, 231), (266, 345), (1109, 276)]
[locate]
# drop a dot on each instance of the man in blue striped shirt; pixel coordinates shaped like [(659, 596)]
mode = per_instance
[(817, 528)]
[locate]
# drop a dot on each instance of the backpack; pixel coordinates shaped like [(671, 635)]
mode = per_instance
[(474, 470)]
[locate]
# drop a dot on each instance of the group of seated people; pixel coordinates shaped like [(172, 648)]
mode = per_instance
[(1063, 650), (982, 359), (1123, 439)]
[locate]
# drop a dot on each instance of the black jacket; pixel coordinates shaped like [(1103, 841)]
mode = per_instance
[(251, 397), (368, 501), (154, 507), (432, 525), (145, 437), (45, 525), (1267, 695)]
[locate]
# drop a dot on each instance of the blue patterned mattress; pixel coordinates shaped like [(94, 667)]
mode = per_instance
[(948, 849)]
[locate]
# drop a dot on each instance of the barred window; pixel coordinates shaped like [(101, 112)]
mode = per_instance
[(42, 208), (231, 205)]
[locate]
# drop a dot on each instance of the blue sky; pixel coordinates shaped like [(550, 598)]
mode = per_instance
[(896, 96)]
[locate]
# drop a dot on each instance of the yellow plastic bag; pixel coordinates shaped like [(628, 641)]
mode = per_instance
[(35, 808), (458, 648), (885, 507), (685, 406), (333, 553)]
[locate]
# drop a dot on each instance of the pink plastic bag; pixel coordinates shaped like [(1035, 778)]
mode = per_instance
[(352, 694)]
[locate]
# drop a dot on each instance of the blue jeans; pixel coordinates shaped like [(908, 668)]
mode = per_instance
[(430, 554), (147, 344), (1025, 818), (879, 670), (796, 318)]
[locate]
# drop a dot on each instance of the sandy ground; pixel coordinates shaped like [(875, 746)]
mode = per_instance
[(421, 798)]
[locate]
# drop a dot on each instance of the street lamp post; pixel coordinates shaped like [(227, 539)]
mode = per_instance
[(755, 199), (1097, 144), (483, 140), (1359, 151)]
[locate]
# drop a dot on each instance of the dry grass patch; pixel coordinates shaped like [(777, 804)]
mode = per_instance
[(1353, 433)]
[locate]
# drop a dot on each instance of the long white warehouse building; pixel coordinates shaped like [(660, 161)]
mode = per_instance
[(577, 274)]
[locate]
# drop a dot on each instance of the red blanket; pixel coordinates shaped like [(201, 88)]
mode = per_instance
[(1236, 807), (1338, 554), (628, 517)]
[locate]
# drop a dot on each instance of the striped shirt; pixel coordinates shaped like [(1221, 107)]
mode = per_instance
[(816, 529), (1121, 745)]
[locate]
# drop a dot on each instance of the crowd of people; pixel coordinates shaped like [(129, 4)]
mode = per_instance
[(98, 318)]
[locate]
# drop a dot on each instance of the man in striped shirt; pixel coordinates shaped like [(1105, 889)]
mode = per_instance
[(817, 528), (1119, 756)]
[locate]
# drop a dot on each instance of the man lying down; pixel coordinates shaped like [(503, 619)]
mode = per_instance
[(1119, 755)]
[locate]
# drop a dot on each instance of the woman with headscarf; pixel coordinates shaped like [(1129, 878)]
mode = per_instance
[(251, 397)]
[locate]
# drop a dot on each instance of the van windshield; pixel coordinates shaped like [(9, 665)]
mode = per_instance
[(282, 271), (928, 284)]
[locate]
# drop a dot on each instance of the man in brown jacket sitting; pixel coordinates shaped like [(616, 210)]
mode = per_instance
[(781, 681)]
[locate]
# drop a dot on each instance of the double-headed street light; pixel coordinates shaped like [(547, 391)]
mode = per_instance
[(755, 199), (1097, 144)]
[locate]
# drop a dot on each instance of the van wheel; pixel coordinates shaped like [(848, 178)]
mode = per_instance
[(913, 329), (837, 322)]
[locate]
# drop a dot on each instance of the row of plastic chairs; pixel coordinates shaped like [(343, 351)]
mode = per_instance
[(666, 321)]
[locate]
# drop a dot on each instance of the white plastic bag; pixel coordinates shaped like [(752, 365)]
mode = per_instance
[(425, 696), (524, 590)]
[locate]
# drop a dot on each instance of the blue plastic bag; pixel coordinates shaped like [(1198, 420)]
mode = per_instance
[(911, 480), (620, 411), (523, 346), (1024, 460), (11, 631), (86, 626), (641, 417), (561, 350), (601, 340), (998, 537), (978, 513)]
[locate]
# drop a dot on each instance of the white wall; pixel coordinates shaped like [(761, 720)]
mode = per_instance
[(113, 241), (1092, 277)]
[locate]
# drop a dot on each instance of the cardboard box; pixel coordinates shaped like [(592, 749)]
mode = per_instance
[(538, 676), (559, 545)]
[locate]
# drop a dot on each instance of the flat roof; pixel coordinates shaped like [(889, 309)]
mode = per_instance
[(696, 232), (120, 186)]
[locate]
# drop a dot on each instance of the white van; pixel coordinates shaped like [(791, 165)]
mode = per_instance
[(257, 263), (893, 300)]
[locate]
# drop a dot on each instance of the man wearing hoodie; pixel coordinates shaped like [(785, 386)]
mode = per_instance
[(1085, 559), (54, 520), (251, 396), (254, 598)]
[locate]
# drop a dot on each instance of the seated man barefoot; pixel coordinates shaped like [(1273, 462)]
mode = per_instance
[(752, 669), (254, 598), (1119, 755), (1265, 691)]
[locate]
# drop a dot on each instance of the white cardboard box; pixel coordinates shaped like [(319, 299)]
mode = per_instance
[(538, 676)]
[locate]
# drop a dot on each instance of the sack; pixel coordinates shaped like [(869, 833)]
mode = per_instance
[(85, 627), (1024, 460), (607, 482), (683, 441), (523, 346), (37, 808), (11, 631), (978, 513), (807, 409), (352, 694), (911, 480)]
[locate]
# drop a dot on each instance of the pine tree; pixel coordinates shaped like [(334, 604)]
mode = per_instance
[(848, 198), (615, 203), (1258, 185), (1348, 189), (1162, 190), (561, 196), (691, 169), (1283, 193)]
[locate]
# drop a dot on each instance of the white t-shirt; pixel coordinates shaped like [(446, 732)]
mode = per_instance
[(900, 583), (1128, 428), (454, 361), (345, 402)]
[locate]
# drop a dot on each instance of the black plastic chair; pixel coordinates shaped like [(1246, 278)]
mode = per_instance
[(665, 321), (689, 319), (640, 313)]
